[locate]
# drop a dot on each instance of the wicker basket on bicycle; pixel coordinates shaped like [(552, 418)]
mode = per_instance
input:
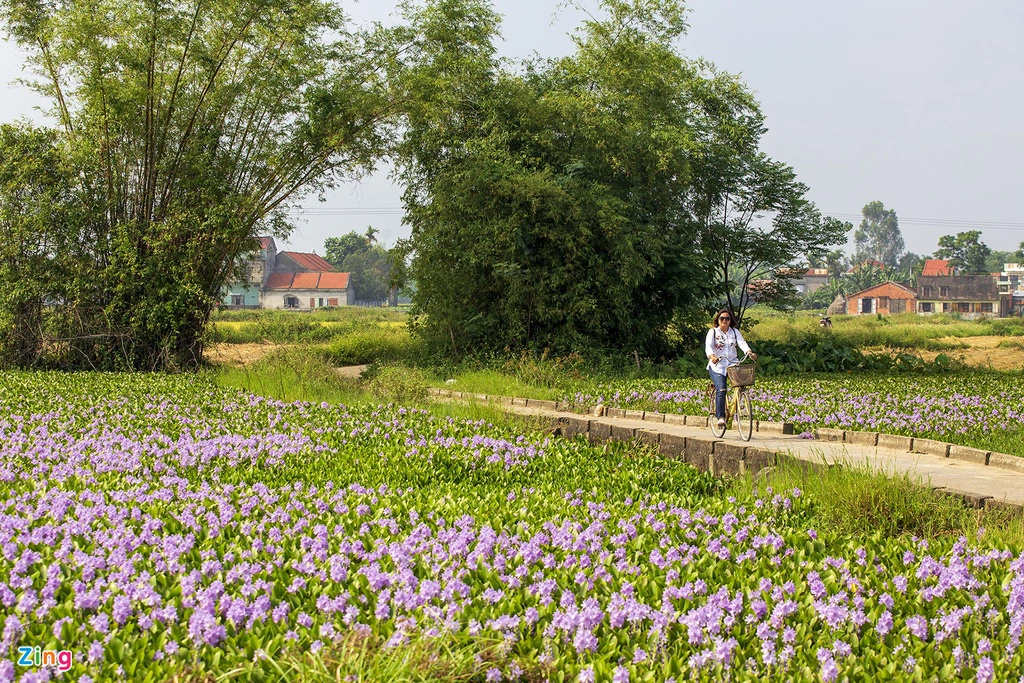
[(741, 375)]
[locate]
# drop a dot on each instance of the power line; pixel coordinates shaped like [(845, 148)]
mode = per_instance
[(948, 223), (930, 222)]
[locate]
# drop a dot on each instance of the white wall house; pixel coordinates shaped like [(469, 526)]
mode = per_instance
[(307, 291)]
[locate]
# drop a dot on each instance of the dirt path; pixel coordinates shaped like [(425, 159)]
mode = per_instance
[(238, 355)]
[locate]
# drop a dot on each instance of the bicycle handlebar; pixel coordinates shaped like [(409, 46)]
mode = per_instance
[(738, 361)]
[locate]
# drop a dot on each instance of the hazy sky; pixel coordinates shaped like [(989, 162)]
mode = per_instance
[(914, 103)]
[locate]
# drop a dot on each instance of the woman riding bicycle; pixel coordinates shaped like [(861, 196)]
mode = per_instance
[(720, 346)]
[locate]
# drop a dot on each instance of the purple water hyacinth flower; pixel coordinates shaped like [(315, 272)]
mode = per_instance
[(918, 626), (620, 675), (586, 675)]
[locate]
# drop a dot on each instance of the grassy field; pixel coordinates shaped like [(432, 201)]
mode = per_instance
[(904, 331)]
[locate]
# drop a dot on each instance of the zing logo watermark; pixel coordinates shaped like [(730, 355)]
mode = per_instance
[(35, 656)]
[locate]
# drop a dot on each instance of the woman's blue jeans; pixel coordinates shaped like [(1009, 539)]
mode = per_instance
[(720, 384)]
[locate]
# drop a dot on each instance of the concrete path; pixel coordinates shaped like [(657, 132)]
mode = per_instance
[(978, 484)]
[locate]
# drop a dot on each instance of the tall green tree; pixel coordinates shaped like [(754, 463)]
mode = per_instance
[(39, 243), (965, 251), (549, 205), (370, 271), (997, 259), (878, 238), (337, 249), (192, 126)]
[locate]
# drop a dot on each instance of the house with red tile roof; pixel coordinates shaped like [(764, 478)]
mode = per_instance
[(308, 290), (937, 266), (288, 279)]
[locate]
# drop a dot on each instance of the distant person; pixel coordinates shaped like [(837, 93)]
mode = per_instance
[(720, 346)]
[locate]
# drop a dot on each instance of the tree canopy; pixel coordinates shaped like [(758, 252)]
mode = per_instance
[(965, 251), (185, 129), (368, 263), (584, 202), (878, 238)]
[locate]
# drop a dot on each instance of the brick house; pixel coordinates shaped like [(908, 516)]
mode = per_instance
[(885, 298), (971, 296)]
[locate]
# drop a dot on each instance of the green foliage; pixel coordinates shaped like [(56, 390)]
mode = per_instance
[(337, 249), (302, 374), (757, 261), (38, 248), (370, 271), (549, 206), (965, 252), (852, 500), (183, 132), (368, 263), (878, 238), (368, 346), (397, 383)]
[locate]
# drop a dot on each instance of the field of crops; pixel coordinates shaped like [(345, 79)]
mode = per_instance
[(973, 409), (159, 525)]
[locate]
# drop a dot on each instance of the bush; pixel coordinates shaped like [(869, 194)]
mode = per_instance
[(368, 346), (397, 383)]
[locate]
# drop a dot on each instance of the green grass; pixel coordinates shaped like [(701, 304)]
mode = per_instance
[(253, 327), (493, 383), (852, 500), (344, 314), (903, 331), (365, 660)]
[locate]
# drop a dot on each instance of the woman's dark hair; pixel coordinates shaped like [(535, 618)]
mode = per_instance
[(732, 318)]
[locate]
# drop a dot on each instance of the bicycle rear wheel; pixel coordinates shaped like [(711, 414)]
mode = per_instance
[(745, 416), (719, 432)]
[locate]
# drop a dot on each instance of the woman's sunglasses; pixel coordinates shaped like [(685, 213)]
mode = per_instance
[(724, 317)]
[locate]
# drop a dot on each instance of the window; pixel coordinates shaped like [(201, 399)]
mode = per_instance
[(986, 308), (883, 302), (237, 300), (897, 305), (929, 291), (963, 307), (943, 291), (332, 301), (926, 307), (320, 302), (291, 302), (945, 307), (866, 304)]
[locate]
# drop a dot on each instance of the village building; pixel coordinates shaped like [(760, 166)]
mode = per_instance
[(288, 280), (886, 298), (308, 291), (805, 280), (937, 266), (1011, 287), (970, 296)]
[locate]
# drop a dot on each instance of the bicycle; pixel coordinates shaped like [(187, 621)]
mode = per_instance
[(741, 377)]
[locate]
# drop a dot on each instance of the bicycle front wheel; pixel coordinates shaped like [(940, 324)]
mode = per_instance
[(745, 416)]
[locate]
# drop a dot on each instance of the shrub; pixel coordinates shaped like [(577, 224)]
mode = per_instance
[(368, 346), (397, 383)]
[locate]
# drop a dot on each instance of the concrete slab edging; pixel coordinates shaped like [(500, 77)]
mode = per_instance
[(732, 463)]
